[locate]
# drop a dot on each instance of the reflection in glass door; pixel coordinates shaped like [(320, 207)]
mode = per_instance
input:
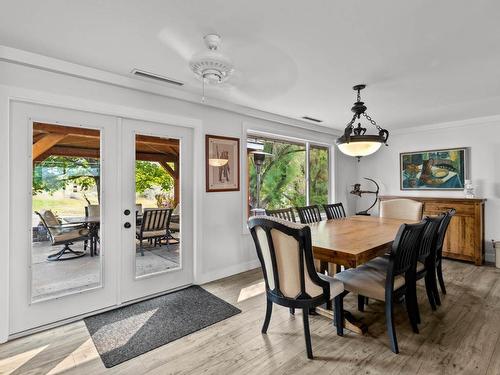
[(66, 201), (157, 209)]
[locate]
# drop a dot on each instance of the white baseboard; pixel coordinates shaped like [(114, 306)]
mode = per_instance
[(229, 271)]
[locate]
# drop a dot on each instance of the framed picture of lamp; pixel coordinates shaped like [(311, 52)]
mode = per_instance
[(222, 163), (443, 169)]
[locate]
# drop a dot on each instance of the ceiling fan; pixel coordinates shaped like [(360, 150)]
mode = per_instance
[(244, 69)]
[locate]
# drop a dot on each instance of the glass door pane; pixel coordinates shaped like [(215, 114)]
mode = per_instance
[(66, 210), (157, 209)]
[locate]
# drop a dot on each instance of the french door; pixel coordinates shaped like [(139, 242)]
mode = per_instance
[(76, 182), (159, 261)]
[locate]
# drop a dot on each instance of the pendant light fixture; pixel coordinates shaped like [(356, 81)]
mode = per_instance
[(354, 141)]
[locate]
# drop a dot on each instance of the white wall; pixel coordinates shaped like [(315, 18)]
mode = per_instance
[(224, 247), (481, 135)]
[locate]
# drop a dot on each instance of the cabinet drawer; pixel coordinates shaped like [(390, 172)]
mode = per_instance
[(461, 208)]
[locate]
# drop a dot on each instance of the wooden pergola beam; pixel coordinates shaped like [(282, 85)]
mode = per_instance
[(156, 140), (145, 156), (175, 176), (80, 152), (46, 143), (67, 130), (169, 169)]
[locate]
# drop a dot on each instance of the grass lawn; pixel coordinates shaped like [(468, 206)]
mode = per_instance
[(64, 207), (60, 206)]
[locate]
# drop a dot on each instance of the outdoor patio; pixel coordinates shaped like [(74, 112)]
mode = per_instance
[(52, 279)]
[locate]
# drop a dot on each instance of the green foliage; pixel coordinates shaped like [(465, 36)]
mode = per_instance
[(283, 176), (149, 174), (318, 172), (55, 172)]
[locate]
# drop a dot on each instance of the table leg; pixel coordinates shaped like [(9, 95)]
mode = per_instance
[(350, 322)]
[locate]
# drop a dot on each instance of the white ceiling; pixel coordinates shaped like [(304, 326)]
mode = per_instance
[(424, 61)]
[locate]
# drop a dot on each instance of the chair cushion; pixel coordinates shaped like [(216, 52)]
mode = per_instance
[(70, 235), (50, 218), (369, 279), (336, 286), (153, 233)]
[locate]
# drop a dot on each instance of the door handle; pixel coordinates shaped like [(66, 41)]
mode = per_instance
[(127, 225), (126, 212)]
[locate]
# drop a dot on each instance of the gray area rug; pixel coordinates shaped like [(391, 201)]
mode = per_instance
[(130, 331)]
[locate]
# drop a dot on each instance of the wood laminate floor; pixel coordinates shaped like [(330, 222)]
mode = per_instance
[(462, 337)]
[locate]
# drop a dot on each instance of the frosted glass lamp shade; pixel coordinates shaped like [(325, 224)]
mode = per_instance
[(359, 148)]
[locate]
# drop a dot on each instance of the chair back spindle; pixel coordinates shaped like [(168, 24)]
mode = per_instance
[(309, 214), (405, 248), (282, 213), (334, 211)]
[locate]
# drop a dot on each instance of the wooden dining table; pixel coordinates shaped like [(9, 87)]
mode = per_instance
[(350, 242)]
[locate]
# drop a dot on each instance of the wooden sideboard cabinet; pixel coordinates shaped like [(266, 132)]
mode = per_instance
[(465, 237)]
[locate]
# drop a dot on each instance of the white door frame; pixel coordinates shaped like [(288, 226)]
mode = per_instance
[(8, 94)]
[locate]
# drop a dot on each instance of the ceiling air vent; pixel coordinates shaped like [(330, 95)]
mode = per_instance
[(157, 77), (311, 119)]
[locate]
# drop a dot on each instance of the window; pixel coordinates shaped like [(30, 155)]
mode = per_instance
[(318, 175), (283, 174)]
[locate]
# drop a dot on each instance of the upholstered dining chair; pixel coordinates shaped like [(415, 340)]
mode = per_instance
[(63, 234), (443, 228), (309, 214), (285, 253), (154, 226), (404, 209), (388, 281), (282, 213), (334, 211)]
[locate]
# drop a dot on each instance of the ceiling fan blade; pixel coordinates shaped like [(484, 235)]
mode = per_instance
[(261, 69), (182, 46)]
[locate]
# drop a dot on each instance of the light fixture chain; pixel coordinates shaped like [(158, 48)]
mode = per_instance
[(372, 121)]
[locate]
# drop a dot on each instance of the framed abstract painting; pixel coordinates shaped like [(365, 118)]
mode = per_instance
[(445, 169), (222, 163)]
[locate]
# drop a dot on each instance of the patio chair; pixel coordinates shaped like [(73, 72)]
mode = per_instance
[(154, 226), (93, 210), (175, 225), (63, 234)]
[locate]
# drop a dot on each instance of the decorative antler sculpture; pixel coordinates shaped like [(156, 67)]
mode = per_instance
[(357, 191)]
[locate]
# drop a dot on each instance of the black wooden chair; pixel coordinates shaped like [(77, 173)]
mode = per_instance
[(439, 253), (154, 226), (334, 211), (389, 280), (426, 262), (285, 253), (309, 214), (283, 213)]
